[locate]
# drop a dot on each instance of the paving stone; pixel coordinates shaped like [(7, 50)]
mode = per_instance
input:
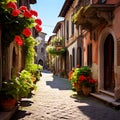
[(54, 100)]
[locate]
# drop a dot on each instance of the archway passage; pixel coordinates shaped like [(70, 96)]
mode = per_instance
[(109, 80), (40, 62)]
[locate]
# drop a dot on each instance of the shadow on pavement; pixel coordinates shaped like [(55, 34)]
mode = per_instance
[(99, 112), (95, 109), (20, 114), (25, 103), (59, 83)]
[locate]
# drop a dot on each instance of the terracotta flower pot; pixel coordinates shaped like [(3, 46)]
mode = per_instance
[(78, 89), (8, 104), (86, 90)]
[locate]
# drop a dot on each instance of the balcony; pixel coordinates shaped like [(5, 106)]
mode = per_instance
[(90, 14)]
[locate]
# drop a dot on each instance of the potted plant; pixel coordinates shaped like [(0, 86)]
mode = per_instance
[(81, 79), (26, 83), (9, 94), (35, 71), (87, 84)]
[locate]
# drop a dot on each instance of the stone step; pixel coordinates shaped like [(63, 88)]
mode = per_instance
[(108, 99), (111, 94)]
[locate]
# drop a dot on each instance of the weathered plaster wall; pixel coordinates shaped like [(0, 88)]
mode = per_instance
[(116, 28)]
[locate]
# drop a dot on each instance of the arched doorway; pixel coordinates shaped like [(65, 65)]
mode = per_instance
[(109, 80)]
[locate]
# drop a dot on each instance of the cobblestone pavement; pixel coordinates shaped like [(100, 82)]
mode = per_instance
[(54, 100)]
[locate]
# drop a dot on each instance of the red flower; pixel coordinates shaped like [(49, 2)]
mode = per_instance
[(11, 5), (18, 40), (38, 28), (33, 12), (27, 32), (15, 12), (20, 43), (82, 78), (38, 21), (92, 81), (27, 14), (75, 85), (23, 8)]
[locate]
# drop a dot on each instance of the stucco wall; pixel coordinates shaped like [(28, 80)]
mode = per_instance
[(116, 22)]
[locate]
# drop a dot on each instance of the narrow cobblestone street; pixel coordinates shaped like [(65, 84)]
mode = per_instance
[(54, 100)]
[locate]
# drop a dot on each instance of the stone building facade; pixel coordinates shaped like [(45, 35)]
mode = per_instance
[(12, 57), (93, 40), (41, 57)]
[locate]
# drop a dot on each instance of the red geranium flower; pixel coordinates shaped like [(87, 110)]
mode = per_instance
[(82, 77), (15, 12), (20, 43), (33, 12), (38, 28), (18, 40), (27, 14), (27, 32), (38, 21), (92, 81), (11, 5), (23, 8)]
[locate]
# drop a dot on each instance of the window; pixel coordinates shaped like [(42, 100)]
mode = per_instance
[(19, 3), (89, 57), (67, 30), (79, 56), (72, 26), (73, 58), (101, 1)]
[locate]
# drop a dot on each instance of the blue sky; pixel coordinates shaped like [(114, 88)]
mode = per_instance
[(48, 11)]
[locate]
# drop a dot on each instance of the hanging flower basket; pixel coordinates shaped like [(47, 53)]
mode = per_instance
[(53, 50)]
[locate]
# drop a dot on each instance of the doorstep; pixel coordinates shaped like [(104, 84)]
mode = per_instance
[(7, 115), (107, 99)]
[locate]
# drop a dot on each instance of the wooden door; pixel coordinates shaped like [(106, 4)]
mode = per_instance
[(109, 81)]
